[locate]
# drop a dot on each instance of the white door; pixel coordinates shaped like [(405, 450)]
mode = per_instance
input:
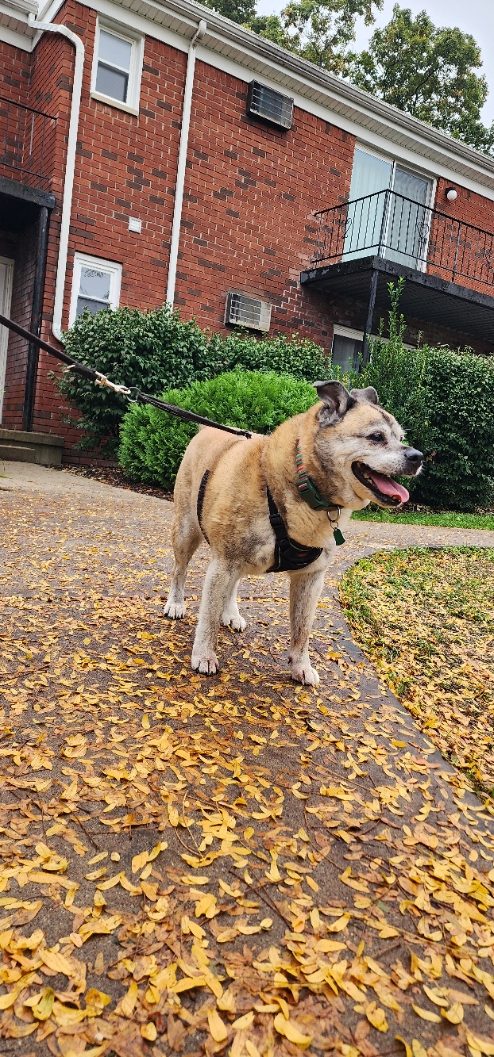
[(397, 229), (6, 275)]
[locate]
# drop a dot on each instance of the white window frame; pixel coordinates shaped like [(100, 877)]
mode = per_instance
[(358, 335), (136, 40), (82, 260)]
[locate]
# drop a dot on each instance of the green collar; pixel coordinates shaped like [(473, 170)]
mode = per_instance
[(309, 492)]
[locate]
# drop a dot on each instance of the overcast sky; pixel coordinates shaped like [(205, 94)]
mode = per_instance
[(471, 16)]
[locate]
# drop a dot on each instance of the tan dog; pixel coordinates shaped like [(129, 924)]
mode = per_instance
[(251, 499)]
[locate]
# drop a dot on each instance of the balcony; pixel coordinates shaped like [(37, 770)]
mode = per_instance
[(362, 245), (27, 145)]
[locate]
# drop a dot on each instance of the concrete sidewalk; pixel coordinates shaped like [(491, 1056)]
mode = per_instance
[(235, 865)]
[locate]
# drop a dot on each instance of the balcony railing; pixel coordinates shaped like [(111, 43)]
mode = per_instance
[(27, 143), (389, 225)]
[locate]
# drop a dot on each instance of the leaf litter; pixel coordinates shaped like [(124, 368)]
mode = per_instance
[(239, 866)]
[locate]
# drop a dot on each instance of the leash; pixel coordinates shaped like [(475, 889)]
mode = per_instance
[(133, 394)]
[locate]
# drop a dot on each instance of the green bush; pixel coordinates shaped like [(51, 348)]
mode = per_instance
[(146, 349), (444, 401), (152, 442), (156, 350)]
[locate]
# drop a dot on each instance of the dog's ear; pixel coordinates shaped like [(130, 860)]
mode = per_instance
[(368, 394), (336, 399)]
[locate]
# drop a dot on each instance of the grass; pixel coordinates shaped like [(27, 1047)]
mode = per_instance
[(425, 618), (444, 519)]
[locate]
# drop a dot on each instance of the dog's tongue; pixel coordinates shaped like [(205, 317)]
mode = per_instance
[(390, 487)]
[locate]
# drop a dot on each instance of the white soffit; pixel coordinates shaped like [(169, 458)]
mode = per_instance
[(243, 54)]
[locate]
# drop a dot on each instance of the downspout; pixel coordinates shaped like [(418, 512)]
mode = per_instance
[(182, 161), (63, 31)]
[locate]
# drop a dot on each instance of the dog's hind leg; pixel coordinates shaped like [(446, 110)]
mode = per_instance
[(305, 589), (231, 616), (186, 539), (219, 583)]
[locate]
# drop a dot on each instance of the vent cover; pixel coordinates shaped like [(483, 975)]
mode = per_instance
[(245, 311), (269, 105)]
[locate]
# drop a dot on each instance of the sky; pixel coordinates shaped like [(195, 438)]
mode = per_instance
[(471, 16)]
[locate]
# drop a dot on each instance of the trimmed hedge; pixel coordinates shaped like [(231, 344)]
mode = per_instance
[(152, 442), (157, 350)]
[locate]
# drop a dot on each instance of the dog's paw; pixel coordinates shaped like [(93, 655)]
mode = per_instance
[(233, 620), (304, 673), (174, 610), (205, 662)]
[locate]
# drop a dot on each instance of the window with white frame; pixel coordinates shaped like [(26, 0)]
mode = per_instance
[(95, 286), (347, 348), (117, 67)]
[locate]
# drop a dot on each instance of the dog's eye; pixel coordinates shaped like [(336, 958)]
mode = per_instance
[(377, 438)]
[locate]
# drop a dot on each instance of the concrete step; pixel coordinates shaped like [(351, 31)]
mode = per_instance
[(44, 449), (17, 453)]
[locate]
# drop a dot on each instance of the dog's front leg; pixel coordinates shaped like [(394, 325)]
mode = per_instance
[(305, 589), (218, 586)]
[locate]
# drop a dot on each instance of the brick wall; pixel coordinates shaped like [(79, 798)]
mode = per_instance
[(20, 248)]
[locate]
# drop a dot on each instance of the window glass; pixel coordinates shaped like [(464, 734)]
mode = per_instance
[(114, 63), (345, 352), (95, 284), (114, 51), (96, 287)]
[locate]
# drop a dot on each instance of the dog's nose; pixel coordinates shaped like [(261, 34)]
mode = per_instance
[(414, 457)]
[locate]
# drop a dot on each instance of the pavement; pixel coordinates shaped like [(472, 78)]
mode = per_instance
[(235, 865)]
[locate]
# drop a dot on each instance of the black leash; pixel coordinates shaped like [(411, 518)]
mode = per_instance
[(133, 395)]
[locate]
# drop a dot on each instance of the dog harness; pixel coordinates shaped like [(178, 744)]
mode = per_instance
[(289, 556)]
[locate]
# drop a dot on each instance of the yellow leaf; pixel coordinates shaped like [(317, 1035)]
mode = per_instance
[(417, 1049), (139, 861), (427, 1014), (454, 1014), (436, 996), (478, 1044), (340, 924), (44, 1006), (127, 1003), (148, 1031), (216, 1026), (376, 1016), (286, 1027), (243, 1022), (57, 962)]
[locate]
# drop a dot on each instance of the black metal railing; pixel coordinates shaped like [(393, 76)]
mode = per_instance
[(389, 225), (27, 142)]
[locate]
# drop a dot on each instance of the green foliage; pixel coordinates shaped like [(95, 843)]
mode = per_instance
[(444, 401), (428, 72), (146, 349), (153, 442), (317, 30), (156, 350), (242, 11)]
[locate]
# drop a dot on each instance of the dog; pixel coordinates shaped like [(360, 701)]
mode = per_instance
[(281, 503)]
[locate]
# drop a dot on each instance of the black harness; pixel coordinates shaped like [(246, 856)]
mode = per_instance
[(289, 556)]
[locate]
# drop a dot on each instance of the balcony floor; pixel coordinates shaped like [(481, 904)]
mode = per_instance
[(425, 299)]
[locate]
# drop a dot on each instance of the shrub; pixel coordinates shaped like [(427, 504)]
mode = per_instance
[(152, 442), (146, 349), (444, 401), (155, 350)]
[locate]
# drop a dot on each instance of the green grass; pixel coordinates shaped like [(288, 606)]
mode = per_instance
[(445, 519)]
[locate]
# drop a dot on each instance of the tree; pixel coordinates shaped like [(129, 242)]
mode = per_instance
[(428, 72), (242, 11), (317, 30)]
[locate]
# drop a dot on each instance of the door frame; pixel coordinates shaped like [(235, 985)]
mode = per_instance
[(4, 333)]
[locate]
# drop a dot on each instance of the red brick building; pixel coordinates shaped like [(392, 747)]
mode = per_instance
[(151, 150)]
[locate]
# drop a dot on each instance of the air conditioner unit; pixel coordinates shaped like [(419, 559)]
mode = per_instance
[(244, 311), (265, 103)]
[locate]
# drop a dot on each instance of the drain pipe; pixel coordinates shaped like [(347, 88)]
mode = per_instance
[(182, 161), (63, 31)]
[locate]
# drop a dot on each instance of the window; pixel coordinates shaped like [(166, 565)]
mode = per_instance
[(270, 106), (96, 285), (346, 349), (117, 67)]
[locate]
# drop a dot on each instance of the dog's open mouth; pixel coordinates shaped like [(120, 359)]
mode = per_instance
[(387, 491)]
